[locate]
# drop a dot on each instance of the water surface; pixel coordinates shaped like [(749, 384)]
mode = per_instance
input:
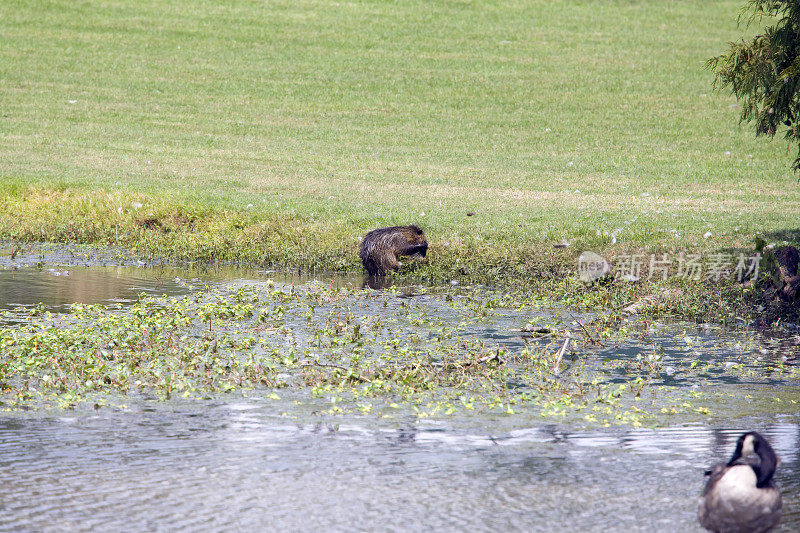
[(239, 466), (238, 462)]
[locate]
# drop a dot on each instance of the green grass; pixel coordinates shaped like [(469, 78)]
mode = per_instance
[(550, 120)]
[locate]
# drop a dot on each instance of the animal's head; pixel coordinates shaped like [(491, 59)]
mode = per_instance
[(752, 444), (418, 244)]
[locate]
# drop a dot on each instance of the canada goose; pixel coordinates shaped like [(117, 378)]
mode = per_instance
[(740, 495)]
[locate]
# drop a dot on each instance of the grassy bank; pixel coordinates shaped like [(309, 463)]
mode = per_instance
[(163, 228), (173, 229), (281, 132)]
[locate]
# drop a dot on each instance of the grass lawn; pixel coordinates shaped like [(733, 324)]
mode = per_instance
[(282, 131)]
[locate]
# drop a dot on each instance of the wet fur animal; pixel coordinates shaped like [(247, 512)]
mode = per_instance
[(740, 495), (381, 248)]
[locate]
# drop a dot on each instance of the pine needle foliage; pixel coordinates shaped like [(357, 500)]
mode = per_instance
[(764, 71)]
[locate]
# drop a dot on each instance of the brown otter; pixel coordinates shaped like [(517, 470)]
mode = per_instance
[(381, 247)]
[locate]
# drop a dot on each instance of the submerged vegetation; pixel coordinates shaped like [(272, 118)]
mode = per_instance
[(357, 350)]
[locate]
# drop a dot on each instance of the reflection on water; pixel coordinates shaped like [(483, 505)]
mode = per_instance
[(58, 287), (235, 466)]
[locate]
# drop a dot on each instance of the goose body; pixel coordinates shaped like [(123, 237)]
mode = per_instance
[(740, 495)]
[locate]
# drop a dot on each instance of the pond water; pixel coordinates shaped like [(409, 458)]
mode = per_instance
[(237, 466), (246, 461)]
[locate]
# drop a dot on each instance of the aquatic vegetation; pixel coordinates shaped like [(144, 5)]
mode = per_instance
[(432, 351)]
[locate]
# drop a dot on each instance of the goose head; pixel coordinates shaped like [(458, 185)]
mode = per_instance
[(753, 450)]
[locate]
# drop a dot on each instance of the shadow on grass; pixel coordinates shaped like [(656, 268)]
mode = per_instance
[(789, 235)]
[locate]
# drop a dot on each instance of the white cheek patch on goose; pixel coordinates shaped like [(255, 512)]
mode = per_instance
[(748, 447)]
